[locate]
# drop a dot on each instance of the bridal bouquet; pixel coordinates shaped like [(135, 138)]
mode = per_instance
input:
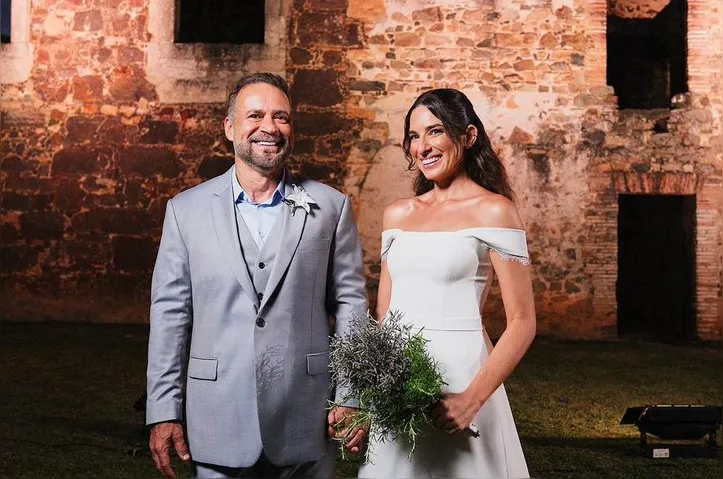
[(388, 369)]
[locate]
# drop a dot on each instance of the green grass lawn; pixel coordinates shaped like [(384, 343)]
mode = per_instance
[(66, 395)]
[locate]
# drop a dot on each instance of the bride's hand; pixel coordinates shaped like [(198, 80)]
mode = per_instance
[(454, 412)]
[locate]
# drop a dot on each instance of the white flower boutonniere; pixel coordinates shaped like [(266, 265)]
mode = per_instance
[(299, 199)]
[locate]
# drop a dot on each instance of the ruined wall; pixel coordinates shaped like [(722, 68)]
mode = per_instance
[(114, 119), (536, 74)]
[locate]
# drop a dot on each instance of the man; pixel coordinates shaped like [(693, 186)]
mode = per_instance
[(250, 266)]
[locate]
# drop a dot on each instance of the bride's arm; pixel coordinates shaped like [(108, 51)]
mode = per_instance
[(516, 288), (458, 410), (384, 292), (393, 216)]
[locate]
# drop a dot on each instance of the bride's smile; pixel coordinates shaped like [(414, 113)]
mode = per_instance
[(436, 154)]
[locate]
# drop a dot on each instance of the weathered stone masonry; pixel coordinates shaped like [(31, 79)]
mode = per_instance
[(114, 119)]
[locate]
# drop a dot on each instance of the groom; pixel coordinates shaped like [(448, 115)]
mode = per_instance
[(250, 267)]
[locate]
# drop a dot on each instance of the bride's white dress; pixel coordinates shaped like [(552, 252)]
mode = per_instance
[(439, 282)]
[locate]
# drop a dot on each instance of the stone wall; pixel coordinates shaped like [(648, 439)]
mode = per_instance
[(536, 74), (115, 119)]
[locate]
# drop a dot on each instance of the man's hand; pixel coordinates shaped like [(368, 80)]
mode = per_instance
[(163, 436), (341, 416)]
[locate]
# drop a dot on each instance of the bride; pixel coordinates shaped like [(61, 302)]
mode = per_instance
[(440, 252)]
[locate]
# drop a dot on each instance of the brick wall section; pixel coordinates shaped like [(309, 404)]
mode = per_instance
[(537, 76), (320, 37), (89, 159)]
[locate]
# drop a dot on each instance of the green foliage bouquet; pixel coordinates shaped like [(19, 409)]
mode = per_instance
[(388, 369)]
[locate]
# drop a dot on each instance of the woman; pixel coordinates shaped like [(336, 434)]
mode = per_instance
[(440, 252)]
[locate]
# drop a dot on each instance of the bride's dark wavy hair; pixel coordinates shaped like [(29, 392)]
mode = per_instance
[(480, 162)]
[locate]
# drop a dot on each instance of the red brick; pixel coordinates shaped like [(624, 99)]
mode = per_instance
[(88, 87), (42, 225), (77, 161), (82, 129), (212, 166), (111, 220), (127, 88), (149, 161), (155, 132), (316, 87), (90, 21)]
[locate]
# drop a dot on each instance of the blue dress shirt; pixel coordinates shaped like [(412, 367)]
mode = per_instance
[(259, 217)]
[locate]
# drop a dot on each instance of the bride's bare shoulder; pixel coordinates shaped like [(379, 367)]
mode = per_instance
[(398, 211), (497, 211)]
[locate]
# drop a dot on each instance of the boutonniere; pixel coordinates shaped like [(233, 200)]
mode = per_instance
[(299, 199)]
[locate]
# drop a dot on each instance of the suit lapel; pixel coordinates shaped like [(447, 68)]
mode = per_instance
[(224, 221), (292, 227)]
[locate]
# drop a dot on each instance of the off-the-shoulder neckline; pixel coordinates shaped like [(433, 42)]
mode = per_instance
[(463, 230)]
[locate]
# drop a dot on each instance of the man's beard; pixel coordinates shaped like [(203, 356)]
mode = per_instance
[(262, 162)]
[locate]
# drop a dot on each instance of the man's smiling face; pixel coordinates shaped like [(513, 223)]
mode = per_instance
[(260, 127)]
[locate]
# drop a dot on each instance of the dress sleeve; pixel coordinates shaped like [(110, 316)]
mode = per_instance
[(510, 244), (388, 237)]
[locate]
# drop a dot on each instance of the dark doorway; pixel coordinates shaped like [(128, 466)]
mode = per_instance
[(647, 58), (656, 267)]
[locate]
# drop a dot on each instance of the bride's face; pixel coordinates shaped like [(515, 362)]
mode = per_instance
[(434, 152)]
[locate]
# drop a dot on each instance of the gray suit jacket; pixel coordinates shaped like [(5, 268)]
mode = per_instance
[(257, 376)]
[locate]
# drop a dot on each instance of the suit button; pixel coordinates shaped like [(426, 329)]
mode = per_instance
[(262, 265), (260, 322), (260, 296)]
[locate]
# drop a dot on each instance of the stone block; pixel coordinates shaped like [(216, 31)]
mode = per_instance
[(133, 253), (112, 220), (363, 85), (42, 225), (16, 258), (300, 56), (322, 123), (212, 166), (88, 21), (548, 40), (427, 15), (330, 173), (114, 131), (524, 65), (157, 132), (12, 201), (332, 58), (82, 129), (10, 233), (148, 162), (407, 39), (316, 87), (369, 11), (12, 163), (73, 161), (131, 88), (127, 55), (69, 196), (321, 29), (88, 88), (328, 5)]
